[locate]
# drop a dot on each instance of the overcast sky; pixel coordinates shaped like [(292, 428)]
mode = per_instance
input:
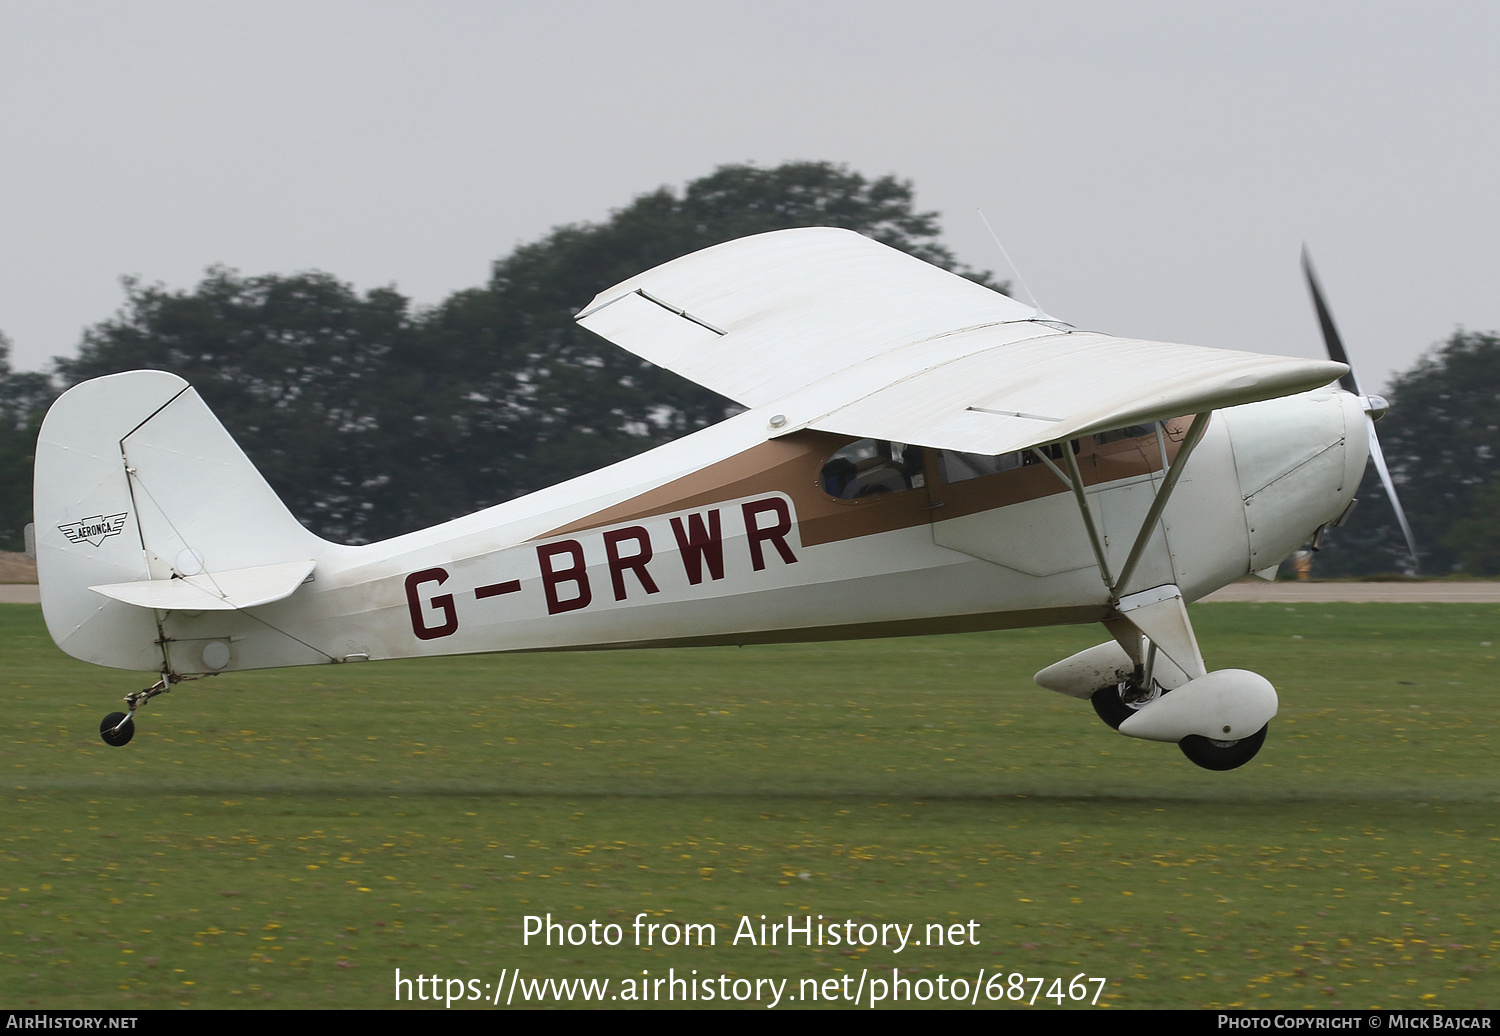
[(1152, 167)]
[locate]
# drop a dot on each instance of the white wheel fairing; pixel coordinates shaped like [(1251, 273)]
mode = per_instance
[(1225, 705)]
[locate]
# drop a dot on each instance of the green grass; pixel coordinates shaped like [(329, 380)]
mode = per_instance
[(290, 838)]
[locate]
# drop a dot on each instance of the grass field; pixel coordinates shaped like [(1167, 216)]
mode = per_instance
[(290, 838)]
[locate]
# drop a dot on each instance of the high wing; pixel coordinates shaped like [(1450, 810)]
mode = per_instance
[(844, 334)]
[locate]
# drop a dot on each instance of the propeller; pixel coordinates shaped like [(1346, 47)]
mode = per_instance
[(1374, 406)]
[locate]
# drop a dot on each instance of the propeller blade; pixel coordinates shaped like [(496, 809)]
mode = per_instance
[(1390, 490), (1335, 346), (1331, 340)]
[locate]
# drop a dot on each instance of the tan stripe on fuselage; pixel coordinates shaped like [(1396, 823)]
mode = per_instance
[(793, 465)]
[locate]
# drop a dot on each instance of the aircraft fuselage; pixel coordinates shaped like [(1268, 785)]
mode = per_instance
[(753, 547)]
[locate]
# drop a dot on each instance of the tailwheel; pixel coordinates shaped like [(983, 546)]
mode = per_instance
[(117, 729), (1212, 754)]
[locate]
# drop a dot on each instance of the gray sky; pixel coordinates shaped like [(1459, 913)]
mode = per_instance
[(1152, 167)]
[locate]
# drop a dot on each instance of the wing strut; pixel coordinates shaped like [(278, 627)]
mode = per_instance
[(1194, 434), (1074, 481)]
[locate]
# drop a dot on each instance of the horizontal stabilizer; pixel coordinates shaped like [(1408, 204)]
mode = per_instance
[(137, 482), (213, 591)]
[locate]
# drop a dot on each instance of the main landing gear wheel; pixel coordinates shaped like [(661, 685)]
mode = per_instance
[(1118, 702), (1222, 755), (116, 737)]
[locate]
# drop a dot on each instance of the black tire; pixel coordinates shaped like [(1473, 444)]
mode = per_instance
[(1110, 706), (1220, 755), (113, 737)]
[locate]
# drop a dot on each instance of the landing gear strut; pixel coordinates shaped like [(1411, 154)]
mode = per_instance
[(1117, 703)]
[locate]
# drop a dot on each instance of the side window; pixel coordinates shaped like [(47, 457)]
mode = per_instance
[(960, 467), (871, 466), (1135, 431)]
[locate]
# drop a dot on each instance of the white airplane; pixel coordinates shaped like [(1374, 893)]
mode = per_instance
[(919, 455)]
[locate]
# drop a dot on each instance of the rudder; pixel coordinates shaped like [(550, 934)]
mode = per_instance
[(137, 481)]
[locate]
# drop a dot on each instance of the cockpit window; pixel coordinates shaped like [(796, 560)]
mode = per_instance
[(1135, 431), (960, 467), (872, 466)]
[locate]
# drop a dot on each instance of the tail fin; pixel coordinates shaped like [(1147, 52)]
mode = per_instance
[(142, 494)]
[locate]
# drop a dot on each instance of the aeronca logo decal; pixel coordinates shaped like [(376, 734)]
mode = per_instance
[(630, 567), (94, 530)]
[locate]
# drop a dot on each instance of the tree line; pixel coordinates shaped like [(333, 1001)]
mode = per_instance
[(1441, 439), (371, 417)]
